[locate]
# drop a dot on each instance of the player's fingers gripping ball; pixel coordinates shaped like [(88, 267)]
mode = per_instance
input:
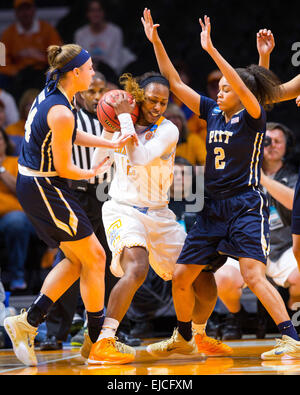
[(106, 112)]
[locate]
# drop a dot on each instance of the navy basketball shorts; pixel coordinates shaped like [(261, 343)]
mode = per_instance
[(237, 227), (53, 209), (296, 210)]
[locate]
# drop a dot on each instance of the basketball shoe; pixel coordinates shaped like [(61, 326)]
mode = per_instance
[(87, 346), (22, 335), (285, 348), (175, 345), (211, 347)]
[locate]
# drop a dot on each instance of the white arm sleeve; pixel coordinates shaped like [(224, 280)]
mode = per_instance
[(163, 143), (101, 153)]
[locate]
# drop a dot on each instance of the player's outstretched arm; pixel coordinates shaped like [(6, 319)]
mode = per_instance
[(88, 140), (187, 95), (265, 44), (290, 90), (246, 96)]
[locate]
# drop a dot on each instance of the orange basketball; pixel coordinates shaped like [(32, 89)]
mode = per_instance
[(106, 113)]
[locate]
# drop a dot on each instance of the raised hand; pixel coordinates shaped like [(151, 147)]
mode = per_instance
[(149, 27), (205, 34), (265, 42)]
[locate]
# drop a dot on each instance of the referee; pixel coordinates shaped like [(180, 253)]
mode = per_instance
[(59, 319)]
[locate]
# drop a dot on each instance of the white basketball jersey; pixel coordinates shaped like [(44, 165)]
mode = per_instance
[(147, 185)]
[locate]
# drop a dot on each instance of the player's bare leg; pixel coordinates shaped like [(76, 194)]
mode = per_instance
[(206, 297), (135, 264)]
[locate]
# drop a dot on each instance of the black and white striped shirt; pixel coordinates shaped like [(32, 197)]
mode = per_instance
[(82, 156)]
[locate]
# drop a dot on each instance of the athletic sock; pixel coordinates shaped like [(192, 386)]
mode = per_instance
[(287, 328), (109, 328), (38, 311), (199, 328), (94, 324), (185, 330)]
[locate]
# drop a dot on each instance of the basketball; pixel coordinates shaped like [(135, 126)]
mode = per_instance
[(106, 113)]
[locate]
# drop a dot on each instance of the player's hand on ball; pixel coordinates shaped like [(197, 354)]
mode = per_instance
[(149, 27), (298, 101), (122, 105)]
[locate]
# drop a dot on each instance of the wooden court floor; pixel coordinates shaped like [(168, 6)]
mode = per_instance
[(245, 361)]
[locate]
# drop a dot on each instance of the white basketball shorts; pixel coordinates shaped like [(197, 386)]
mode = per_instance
[(156, 229)]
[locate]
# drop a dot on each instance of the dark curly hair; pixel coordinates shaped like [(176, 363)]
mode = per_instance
[(263, 83)]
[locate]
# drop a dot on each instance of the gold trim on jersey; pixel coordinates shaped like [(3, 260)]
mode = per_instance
[(61, 89), (73, 222), (49, 157), (255, 158), (61, 225), (265, 246), (43, 149)]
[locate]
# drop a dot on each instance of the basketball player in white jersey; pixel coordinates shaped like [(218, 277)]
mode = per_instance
[(140, 228)]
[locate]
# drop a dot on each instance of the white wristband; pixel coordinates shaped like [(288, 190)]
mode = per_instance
[(126, 123)]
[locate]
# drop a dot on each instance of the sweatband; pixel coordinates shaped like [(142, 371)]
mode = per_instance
[(76, 62), (154, 78)]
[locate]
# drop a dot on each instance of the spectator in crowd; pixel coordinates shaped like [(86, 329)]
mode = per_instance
[(103, 39), (279, 179), (26, 42), (11, 110), (212, 85), (190, 146), (16, 130), (2, 114), (15, 228)]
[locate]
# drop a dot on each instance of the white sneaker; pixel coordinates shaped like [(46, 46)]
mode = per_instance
[(22, 335), (285, 348)]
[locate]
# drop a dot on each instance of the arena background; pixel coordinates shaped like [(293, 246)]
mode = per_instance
[(234, 25)]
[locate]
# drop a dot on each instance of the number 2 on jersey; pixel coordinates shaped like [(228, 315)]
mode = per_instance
[(219, 159)]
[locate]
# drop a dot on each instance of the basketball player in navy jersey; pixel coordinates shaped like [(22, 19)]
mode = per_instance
[(45, 164), (234, 220)]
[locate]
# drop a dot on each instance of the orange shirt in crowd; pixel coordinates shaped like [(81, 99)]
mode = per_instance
[(8, 200), (194, 124), (21, 47), (193, 150), (16, 129)]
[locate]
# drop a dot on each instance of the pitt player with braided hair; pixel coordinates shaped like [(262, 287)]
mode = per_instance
[(234, 220), (45, 164)]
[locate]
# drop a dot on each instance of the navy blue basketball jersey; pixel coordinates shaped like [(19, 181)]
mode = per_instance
[(234, 149), (36, 153)]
